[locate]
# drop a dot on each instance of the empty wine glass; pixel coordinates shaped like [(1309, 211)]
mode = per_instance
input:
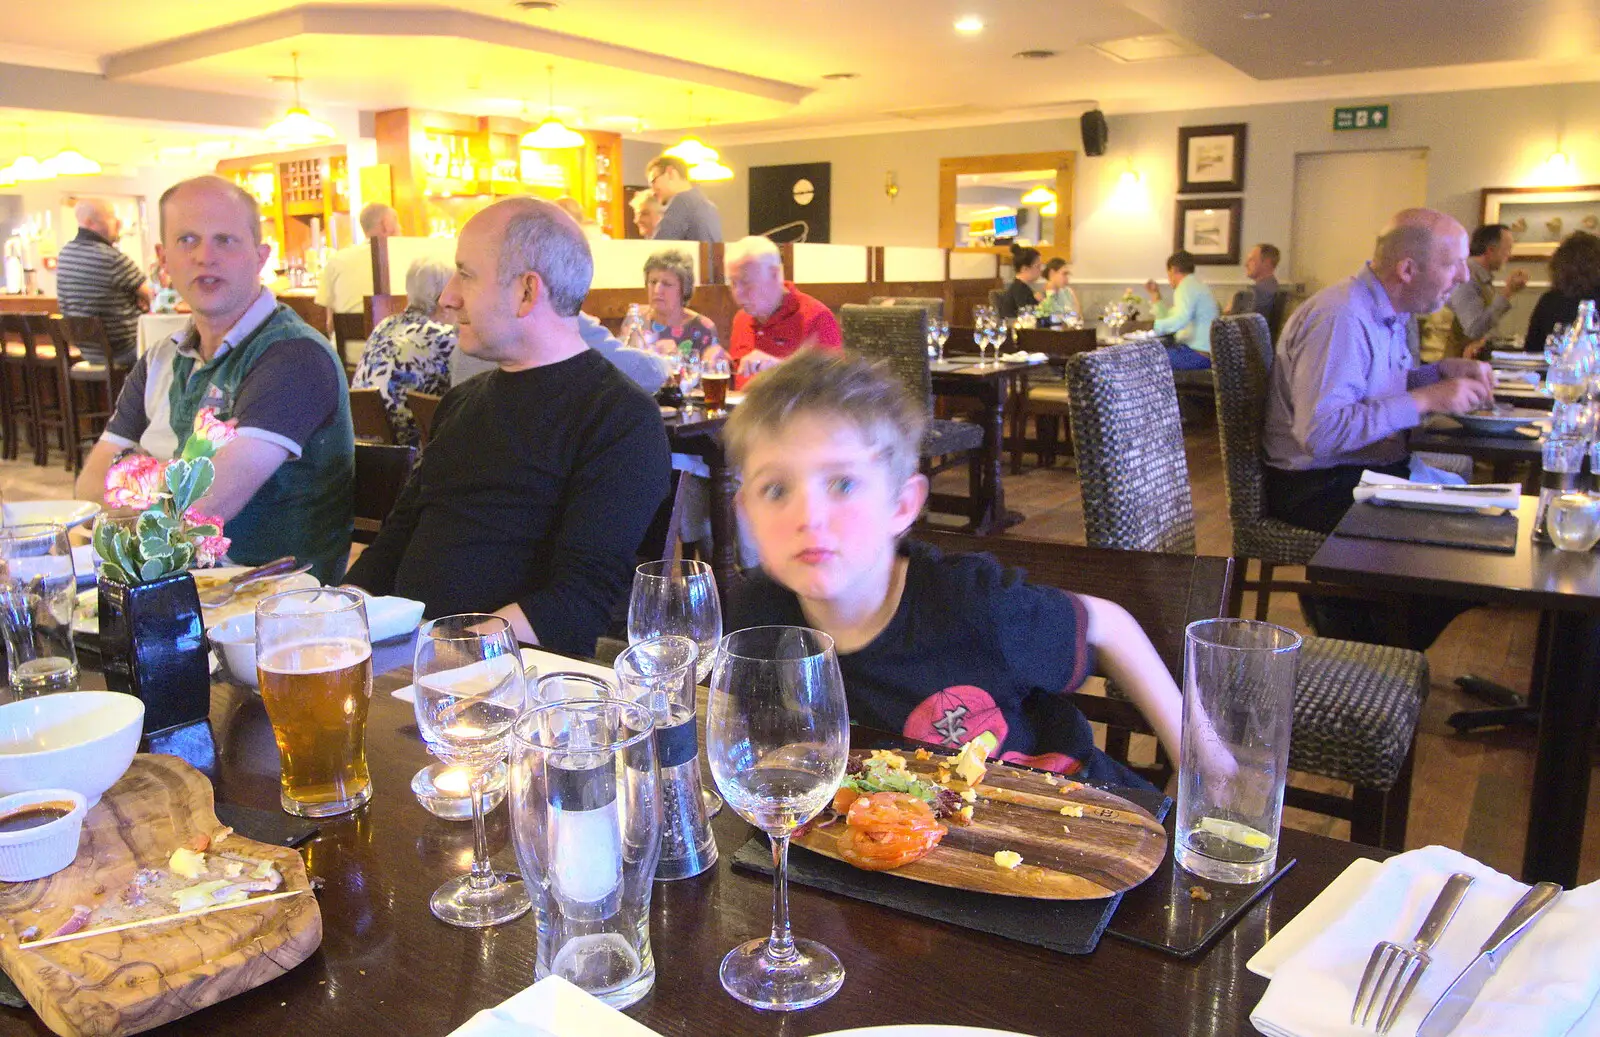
[(930, 335), (469, 690), (941, 336), (777, 735)]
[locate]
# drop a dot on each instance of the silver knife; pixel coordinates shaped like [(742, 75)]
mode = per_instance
[(1443, 1016), (1444, 488)]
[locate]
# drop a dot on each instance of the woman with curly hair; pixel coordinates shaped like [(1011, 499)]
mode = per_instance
[(1574, 276)]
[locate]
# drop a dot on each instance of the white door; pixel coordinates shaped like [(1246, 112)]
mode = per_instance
[(1342, 199)]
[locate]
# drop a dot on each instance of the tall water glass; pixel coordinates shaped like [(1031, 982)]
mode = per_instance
[(38, 591), (777, 736), (469, 689), (314, 667), (585, 819), (659, 672), (1238, 701)]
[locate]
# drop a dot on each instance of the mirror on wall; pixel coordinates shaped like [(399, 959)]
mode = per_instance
[(987, 203)]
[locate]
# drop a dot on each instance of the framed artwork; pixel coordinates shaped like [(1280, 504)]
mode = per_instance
[(1208, 229), (792, 203), (1211, 158), (1541, 217)]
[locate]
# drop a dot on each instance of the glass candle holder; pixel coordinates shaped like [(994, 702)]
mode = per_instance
[(442, 790)]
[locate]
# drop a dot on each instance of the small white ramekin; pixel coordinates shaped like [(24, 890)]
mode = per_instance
[(34, 853)]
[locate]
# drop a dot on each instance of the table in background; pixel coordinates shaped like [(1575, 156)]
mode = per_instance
[(153, 327), (1566, 587), (1445, 435), (990, 383), (693, 430)]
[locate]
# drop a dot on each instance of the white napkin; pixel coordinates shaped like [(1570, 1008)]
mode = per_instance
[(552, 1007), (534, 662), (1390, 489), (1517, 356), (1516, 377), (1020, 357), (391, 616), (1543, 988)]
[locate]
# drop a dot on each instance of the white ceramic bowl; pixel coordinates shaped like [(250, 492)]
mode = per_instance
[(235, 639), (34, 853), (79, 740)]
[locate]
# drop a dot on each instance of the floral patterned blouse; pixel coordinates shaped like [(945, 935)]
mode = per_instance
[(695, 334), (406, 352)]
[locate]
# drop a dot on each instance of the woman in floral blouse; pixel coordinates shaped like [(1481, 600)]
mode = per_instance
[(410, 351), (668, 284)]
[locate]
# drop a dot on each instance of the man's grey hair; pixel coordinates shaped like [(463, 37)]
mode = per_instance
[(91, 210), (757, 249), (677, 263), (1403, 241), (540, 238), (425, 282), (372, 218), (643, 200)]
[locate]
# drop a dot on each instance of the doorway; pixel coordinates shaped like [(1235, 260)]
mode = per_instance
[(1341, 200)]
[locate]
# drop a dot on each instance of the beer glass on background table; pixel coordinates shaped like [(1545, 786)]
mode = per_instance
[(38, 592), (715, 375), (314, 662)]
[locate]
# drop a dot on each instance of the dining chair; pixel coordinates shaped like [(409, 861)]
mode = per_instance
[(41, 382), (1356, 705), (423, 405), (381, 473), (369, 417), (897, 336), (933, 304), (1044, 399)]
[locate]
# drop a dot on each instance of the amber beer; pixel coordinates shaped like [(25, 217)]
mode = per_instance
[(316, 694), (715, 387)]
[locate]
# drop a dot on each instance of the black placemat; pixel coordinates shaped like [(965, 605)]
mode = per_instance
[(1166, 914), (1068, 926), (1473, 530)]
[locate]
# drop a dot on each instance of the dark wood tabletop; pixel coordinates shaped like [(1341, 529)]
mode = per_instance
[(1447, 435), (386, 966)]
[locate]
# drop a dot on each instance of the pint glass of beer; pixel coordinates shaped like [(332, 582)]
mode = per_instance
[(714, 378), (314, 661)]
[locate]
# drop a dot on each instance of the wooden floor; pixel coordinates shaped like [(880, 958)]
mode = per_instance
[(1469, 792)]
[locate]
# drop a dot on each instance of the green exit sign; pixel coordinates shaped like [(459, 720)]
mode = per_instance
[(1362, 117)]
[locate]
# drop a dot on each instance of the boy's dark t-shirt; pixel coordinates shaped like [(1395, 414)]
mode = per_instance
[(971, 648)]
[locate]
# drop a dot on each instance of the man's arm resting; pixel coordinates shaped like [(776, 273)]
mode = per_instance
[(243, 467), (91, 482)]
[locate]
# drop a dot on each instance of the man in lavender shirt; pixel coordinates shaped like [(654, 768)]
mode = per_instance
[(1345, 387)]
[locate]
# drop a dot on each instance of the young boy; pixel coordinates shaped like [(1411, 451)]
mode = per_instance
[(938, 647)]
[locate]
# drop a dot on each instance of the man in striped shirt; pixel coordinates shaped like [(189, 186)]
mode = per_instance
[(93, 279)]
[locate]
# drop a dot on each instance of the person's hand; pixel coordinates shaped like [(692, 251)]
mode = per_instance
[(1452, 396), (1464, 367), (755, 362), (1516, 281), (1153, 290)]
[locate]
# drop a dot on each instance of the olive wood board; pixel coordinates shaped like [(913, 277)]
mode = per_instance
[(1113, 847), (135, 979)]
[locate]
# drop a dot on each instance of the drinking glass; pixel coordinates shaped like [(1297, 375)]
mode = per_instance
[(469, 689), (777, 736), (38, 591), (1238, 700), (1554, 342), (314, 667), (942, 335), (931, 337), (714, 378), (1567, 380)]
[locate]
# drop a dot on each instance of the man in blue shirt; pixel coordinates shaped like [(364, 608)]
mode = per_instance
[(689, 215), (1188, 319)]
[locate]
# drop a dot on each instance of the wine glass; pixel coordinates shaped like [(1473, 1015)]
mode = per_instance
[(930, 335), (777, 735), (1568, 378), (469, 690), (980, 336), (942, 335)]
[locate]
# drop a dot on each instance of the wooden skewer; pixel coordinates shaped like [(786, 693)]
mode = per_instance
[(180, 916)]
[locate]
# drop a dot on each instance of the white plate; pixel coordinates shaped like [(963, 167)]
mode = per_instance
[(922, 1030), (537, 664), (86, 620), (1500, 423), (54, 512)]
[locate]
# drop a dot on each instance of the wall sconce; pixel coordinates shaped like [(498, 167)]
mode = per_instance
[(890, 188)]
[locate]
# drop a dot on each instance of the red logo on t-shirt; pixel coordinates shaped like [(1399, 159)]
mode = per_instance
[(955, 716)]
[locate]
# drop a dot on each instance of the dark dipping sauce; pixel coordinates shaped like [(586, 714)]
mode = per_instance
[(34, 815)]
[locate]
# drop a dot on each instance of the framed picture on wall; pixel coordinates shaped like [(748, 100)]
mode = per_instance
[(792, 203), (1211, 158), (1541, 217), (1208, 229)]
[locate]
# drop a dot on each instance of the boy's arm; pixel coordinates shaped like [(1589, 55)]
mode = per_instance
[(1129, 658)]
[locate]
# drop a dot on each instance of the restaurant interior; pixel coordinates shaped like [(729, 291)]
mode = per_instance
[(899, 154)]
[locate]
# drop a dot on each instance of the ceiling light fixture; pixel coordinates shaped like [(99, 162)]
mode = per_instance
[(536, 5), (1040, 195), (552, 134), (26, 167), (692, 149), (711, 169), (1049, 210), (970, 23), (297, 128), (838, 77), (68, 162)]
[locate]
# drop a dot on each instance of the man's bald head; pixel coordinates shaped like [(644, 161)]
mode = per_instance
[(1420, 256), (96, 214), (379, 221)]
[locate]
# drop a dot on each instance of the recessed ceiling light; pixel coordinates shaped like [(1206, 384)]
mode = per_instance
[(536, 5), (969, 23), (1317, 63), (1255, 16), (839, 76), (1034, 55)]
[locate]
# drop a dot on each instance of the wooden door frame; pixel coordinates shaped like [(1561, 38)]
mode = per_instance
[(1063, 162)]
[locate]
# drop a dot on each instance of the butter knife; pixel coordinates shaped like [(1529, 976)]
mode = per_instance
[(1499, 491), (1443, 1016)]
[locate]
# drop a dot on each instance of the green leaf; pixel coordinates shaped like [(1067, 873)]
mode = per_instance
[(113, 572), (205, 530), (182, 557), (153, 569), (149, 525)]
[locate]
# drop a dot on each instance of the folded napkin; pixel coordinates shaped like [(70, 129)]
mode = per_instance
[(551, 1007), (535, 664), (1020, 357), (1544, 986), (1515, 356), (392, 616), (1389, 489), (1516, 378)]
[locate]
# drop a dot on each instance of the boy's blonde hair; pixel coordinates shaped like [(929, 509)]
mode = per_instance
[(836, 385)]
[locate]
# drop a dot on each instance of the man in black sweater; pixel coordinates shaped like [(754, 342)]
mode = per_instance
[(540, 477)]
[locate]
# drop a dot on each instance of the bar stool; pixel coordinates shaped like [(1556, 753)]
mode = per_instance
[(39, 384), (93, 387)]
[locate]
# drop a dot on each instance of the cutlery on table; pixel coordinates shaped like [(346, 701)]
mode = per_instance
[(1394, 968), (275, 569), (1433, 487), (1443, 1016)]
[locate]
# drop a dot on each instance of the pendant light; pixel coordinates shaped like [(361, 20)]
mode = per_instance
[(711, 169), (1040, 195), (26, 167), (68, 162), (693, 150), (552, 134), (297, 128)]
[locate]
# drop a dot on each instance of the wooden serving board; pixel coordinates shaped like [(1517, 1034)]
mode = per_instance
[(1113, 847), (130, 981)]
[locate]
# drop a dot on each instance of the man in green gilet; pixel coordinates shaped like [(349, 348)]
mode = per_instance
[(283, 486)]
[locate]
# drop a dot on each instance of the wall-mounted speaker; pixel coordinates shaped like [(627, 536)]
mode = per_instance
[(1093, 124)]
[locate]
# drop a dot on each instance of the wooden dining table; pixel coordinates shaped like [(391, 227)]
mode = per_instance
[(1445, 435), (386, 966), (992, 384)]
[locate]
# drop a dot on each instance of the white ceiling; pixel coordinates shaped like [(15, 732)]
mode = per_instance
[(756, 66)]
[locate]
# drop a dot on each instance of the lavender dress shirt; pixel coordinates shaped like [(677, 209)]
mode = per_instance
[(1338, 389)]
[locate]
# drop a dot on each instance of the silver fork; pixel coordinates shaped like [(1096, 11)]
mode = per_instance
[(1394, 968)]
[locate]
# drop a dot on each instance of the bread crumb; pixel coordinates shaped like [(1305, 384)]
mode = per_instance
[(1007, 859), (1199, 893), (1064, 828), (965, 814), (922, 754), (969, 795), (1072, 810)]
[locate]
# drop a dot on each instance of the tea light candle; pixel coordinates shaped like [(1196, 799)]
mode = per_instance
[(443, 790)]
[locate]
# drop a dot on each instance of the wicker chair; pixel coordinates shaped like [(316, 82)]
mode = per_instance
[(1356, 705), (932, 304)]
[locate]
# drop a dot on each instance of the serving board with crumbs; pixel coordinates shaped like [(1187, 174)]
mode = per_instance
[(127, 980), (1076, 842)]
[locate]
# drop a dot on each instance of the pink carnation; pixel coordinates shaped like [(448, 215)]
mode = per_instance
[(218, 433), (207, 550), (134, 482)]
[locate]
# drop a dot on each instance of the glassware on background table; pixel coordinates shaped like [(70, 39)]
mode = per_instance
[(689, 373), (980, 332), (561, 685), (469, 690), (1238, 701), (1561, 461), (777, 736), (715, 376), (941, 336), (1573, 521), (585, 819), (660, 673), (314, 666), (38, 592)]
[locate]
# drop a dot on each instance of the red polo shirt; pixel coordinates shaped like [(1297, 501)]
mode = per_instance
[(798, 321)]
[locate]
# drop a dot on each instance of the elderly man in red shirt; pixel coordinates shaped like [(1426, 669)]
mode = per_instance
[(775, 318)]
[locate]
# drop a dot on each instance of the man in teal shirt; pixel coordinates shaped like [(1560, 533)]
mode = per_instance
[(1188, 319), (283, 485)]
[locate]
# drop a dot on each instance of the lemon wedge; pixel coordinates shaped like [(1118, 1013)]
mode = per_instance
[(1234, 832)]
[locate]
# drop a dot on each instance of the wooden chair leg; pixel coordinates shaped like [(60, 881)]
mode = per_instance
[(977, 505), (1264, 591), (1377, 817), (8, 416)]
